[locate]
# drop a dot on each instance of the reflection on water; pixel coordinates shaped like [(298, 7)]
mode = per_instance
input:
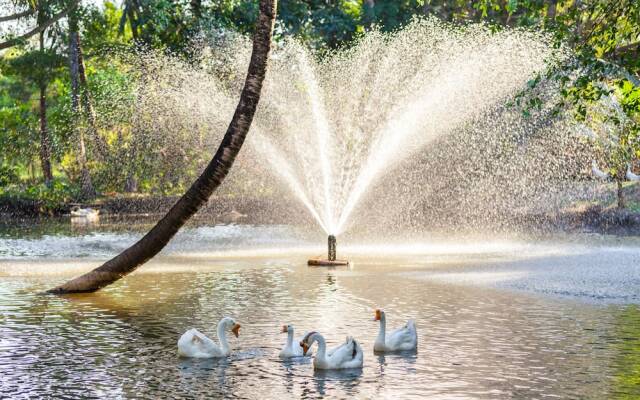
[(627, 362), (473, 342), (496, 318)]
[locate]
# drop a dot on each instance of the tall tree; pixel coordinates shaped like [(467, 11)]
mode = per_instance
[(87, 107), (87, 189), (209, 180), (45, 141), (40, 66)]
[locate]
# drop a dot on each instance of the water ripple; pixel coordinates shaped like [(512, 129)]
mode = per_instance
[(474, 342)]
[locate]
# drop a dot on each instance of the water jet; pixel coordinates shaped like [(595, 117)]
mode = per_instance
[(331, 260), (357, 142)]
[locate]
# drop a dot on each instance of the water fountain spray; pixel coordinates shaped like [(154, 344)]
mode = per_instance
[(359, 138), (332, 129)]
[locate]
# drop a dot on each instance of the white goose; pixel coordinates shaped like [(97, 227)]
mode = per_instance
[(598, 172), (403, 339), (88, 213), (631, 176), (347, 355), (290, 349), (195, 344)]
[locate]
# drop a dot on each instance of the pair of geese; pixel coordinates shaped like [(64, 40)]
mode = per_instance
[(605, 176), (348, 355)]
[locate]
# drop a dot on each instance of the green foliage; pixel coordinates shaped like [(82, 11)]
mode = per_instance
[(51, 197), (626, 382), (391, 15), (36, 67), (8, 174), (598, 41), (18, 122), (100, 28), (23, 72)]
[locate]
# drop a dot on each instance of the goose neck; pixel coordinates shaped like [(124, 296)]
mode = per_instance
[(322, 346), (222, 337), (290, 338), (383, 328)]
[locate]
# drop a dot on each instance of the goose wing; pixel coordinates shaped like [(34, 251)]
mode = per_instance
[(193, 343), (404, 338), (347, 355)]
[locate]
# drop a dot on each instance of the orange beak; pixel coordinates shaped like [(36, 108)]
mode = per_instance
[(236, 329), (284, 329), (305, 348), (378, 315)]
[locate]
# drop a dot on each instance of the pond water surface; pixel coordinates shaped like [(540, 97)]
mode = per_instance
[(496, 318)]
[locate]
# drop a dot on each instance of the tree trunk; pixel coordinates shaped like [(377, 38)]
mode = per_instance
[(133, 21), (131, 184), (209, 180), (426, 8), (45, 143), (621, 203), (551, 10), (369, 12), (87, 105), (196, 9), (579, 26), (87, 190)]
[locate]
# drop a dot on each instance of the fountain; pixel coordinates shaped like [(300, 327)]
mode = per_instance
[(397, 129), (331, 260)]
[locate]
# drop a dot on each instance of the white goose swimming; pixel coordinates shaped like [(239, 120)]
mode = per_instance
[(403, 339), (290, 348), (195, 344), (631, 176), (88, 213), (598, 172), (347, 355)]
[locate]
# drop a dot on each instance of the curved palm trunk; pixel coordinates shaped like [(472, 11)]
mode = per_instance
[(209, 180)]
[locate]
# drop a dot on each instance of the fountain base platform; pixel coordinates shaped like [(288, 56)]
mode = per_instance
[(323, 262), (331, 260)]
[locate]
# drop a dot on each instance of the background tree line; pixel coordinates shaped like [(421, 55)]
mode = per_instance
[(65, 130)]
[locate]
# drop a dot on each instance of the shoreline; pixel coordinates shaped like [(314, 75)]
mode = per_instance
[(226, 209)]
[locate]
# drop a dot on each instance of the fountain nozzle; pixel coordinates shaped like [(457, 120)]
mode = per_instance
[(331, 260), (332, 248)]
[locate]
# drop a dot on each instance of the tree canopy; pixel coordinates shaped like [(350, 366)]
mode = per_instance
[(600, 37)]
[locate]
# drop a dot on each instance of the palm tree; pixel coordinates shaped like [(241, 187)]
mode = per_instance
[(209, 180)]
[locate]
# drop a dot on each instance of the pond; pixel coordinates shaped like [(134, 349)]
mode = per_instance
[(497, 318)]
